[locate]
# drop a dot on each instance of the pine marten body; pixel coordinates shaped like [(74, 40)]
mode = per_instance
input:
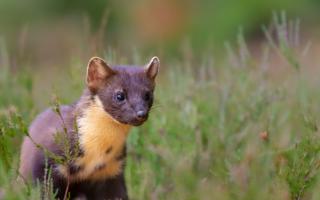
[(96, 127)]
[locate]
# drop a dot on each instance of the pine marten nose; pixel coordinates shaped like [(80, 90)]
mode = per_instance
[(142, 114)]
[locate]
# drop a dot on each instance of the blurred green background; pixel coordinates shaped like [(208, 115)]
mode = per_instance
[(35, 28), (237, 109)]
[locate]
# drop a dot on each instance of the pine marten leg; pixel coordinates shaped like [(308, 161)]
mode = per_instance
[(108, 189), (114, 188), (44, 170)]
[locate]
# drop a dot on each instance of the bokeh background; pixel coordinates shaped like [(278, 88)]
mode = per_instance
[(51, 35), (52, 30), (237, 102)]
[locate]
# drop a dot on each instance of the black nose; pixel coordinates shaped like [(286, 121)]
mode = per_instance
[(141, 114)]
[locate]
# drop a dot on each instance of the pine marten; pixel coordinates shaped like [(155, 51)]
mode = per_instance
[(115, 99)]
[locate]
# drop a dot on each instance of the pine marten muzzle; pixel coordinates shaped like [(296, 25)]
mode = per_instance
[(116, 98)]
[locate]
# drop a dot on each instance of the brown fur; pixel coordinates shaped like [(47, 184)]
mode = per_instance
[(99, 122), (99, 132)]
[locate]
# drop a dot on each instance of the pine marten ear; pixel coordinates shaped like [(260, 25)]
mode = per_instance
[(152, 68), (97, 72)]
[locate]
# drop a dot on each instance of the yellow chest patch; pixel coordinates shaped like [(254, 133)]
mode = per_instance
[(102, 139)]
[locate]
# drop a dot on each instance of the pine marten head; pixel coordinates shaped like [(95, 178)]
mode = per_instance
[(125, 92)]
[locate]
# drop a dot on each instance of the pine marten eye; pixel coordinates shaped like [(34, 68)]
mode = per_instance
[(147, 96), (120, 96)]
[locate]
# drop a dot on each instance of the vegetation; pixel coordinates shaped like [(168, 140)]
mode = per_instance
[(244, 126)]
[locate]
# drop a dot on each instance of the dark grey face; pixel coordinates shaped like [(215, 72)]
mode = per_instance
[(125, 92), (128, 95)]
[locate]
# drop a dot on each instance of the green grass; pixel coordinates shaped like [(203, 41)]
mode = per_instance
[(239, 127)]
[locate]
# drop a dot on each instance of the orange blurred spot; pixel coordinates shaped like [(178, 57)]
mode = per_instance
[(160, 19), (264, 135)]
